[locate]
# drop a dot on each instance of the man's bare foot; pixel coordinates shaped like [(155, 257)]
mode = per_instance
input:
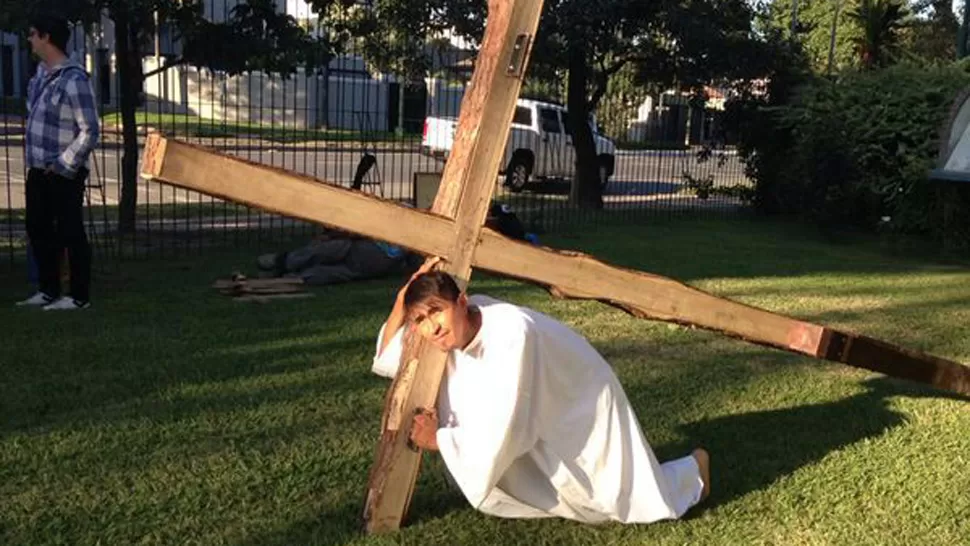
[(704, 463)]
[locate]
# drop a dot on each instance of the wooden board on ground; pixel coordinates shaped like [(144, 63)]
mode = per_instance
[(267, 298), (239, 285)]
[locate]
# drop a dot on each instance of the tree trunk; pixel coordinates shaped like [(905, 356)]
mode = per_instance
[(128, 87), (586, 191)]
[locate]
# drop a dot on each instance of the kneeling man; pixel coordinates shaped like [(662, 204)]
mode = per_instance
[(531, 421)]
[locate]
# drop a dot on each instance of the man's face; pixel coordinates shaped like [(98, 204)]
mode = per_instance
[(441, 322), (37, 43)]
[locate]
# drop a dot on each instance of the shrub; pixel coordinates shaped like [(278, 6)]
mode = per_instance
[(856, 150)]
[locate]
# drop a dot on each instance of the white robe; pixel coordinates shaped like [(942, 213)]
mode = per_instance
[(534, 423)]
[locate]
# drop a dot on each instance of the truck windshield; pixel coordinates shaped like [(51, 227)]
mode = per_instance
[(550, 120), (522, 116)]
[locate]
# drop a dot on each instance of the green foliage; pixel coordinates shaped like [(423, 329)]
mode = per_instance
[(621, 101), (595, 46), (815, 18), (878, 30), (543, 88), (882, 23), (750, 119), (253, 36), (932, 36), (858, 150)]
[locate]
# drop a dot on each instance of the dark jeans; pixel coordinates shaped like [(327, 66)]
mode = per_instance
[(55, 222)]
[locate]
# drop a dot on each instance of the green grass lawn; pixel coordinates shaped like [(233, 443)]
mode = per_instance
[(169, 414), (195, 126)]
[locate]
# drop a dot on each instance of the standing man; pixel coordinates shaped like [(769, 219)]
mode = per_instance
[(62, 129)]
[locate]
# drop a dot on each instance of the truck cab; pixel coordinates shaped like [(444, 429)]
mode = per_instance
[(540, 144)]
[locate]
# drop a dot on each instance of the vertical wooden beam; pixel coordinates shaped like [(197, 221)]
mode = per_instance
[(467, 185)]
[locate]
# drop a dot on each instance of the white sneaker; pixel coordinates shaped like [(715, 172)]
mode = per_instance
[(36, 300), (67, 304)]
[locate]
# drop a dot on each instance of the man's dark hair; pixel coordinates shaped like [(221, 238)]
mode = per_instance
[(434, 284), (53, 26)]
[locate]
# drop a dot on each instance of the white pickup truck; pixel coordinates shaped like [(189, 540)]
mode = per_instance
[(540, 144)]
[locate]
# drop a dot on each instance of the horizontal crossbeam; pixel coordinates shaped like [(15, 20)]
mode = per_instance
[(565, 274)]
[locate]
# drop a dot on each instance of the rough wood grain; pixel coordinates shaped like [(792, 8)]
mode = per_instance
[(468, 182)]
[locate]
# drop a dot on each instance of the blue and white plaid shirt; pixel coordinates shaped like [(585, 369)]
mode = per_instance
[(62, 120)]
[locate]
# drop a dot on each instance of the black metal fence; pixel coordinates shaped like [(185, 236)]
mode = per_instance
[(354, 127)]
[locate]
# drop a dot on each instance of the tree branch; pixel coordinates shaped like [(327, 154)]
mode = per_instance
[(603, 78), (163, 68)]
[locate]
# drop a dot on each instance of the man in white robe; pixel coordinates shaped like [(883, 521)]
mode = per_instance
[(531, 421)]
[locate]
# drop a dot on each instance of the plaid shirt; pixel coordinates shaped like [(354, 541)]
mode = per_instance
[(62, 120)]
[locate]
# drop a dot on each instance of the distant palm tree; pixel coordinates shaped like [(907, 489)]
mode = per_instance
[(881, 22)]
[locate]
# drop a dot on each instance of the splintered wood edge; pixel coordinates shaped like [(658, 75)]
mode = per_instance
[(398, 401), (153, 157)]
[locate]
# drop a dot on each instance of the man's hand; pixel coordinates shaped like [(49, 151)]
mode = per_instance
[(424, 431), (397, 317), (427, 266)]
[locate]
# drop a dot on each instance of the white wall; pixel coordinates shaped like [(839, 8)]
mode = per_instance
[(353, 102), (357, 103), (245, 98)]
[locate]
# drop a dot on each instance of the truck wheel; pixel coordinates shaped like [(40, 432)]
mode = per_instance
[(517, 175)]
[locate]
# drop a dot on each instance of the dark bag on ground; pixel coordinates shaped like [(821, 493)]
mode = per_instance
[(502, 219)]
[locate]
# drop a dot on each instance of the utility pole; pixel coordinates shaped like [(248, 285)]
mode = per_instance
[(794, 18), (158, 46)]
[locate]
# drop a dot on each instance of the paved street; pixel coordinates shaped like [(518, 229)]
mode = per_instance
[(638, 174)]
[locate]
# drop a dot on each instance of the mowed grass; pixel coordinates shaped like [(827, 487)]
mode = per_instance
[(169, 414), (189, 125)]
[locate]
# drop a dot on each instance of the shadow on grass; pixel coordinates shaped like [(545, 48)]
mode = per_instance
[(751, 451), (433, 500), (161, 325)]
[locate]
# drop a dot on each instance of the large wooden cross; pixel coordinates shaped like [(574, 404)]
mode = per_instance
[(453, 229)]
